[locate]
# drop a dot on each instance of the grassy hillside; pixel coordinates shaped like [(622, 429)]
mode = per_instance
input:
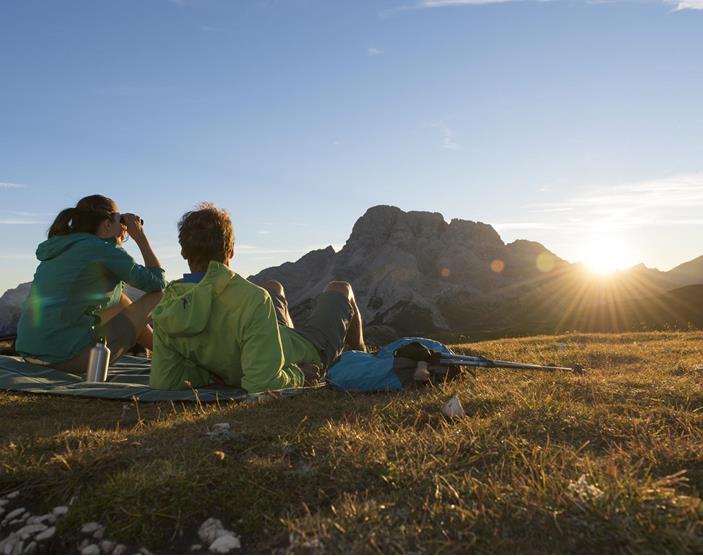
[(333, 472)]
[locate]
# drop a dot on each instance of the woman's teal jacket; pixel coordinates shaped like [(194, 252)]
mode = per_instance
[(78, 276)]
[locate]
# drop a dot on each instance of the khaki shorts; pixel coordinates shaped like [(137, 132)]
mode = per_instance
[(326, 327)]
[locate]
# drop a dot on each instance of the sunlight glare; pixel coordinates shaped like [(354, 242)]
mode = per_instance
[(605, 255)]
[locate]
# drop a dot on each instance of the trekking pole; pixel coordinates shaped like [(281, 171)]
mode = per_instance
[(472, 361)]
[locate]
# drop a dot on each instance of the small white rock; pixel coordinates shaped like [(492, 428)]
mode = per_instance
[(225, 544), (31, 548), (453, 408), (3, 502), (58, 511), (26, 516), (91, 549), (194, 547), (12, 495), (208, 531), (46, 535), (90, 528), (31, 530), (14, 513), (119, 549), (83, 544), (107, 547), (50, 518), (99, 534)]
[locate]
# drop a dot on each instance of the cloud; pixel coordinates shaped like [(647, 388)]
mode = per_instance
[(688, 5), (502, 227), (371, 51), (9, 185), (666, 201), (17, 221), (435, 4), (448, 141)]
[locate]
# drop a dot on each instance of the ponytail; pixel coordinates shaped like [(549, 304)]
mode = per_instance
[(62, 223), (85, 217)]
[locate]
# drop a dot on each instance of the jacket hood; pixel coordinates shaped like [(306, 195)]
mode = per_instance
[(185, 308), (56, 245)]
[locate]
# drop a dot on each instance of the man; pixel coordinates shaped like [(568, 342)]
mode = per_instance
[(214, 326)]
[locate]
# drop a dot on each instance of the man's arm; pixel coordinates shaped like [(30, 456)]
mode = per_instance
[(262, 353), (171, 371)]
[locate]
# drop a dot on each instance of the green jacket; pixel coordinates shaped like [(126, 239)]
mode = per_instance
[(224, 327), (78, 276)]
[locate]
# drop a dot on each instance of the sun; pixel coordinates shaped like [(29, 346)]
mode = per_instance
[(605, 255)]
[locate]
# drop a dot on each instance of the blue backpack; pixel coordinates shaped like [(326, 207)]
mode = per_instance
[(386, 370)]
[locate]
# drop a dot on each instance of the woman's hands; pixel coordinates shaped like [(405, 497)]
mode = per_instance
[(135, 228), (134, 225)]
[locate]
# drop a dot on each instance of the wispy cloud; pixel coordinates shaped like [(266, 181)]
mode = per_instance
[(679, 5), (9, 185), (371, 51), (506, 226), (448, 141), (688, 5), (18, 221), (665, 201)]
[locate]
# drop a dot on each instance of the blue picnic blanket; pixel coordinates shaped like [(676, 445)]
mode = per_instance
[(128, 378)]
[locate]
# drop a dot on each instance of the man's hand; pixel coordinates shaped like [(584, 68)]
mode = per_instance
[(311, 372)]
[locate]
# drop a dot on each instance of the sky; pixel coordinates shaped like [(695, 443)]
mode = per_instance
[(575, 123)]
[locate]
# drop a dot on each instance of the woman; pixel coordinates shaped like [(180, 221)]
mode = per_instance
[(76, 296)]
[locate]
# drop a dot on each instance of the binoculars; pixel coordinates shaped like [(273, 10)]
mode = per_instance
[(122, 221)]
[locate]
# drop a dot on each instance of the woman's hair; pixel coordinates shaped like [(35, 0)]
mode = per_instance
[(205, 235), (85, 217)]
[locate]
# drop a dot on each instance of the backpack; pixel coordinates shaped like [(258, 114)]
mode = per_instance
[(405, 363)]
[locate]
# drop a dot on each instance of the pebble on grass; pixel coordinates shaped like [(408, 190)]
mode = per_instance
[(58, 511), (46, 535), (119, 549), (225, 544), (90, 528), (91, 549)]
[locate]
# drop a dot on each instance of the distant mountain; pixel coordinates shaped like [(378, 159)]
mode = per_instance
[(690, 272), (10, 307), (414, 273)]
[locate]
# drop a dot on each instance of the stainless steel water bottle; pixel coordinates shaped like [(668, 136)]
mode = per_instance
[(98, 362)]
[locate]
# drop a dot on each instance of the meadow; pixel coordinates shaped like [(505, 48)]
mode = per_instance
[(552, 462)]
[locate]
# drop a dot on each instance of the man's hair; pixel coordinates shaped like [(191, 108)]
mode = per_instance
[(205, 235)]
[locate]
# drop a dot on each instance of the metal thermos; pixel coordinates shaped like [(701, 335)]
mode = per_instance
[(98, 362)]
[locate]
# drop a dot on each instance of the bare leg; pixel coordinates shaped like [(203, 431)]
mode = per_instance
[(128, 321), (355, 333), (138, 313), (145, 338), (275, 288)]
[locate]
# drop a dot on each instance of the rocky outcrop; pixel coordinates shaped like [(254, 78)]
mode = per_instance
[(413, 271), (10, 308)]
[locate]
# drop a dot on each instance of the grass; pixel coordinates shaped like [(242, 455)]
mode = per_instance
[(332, 472)]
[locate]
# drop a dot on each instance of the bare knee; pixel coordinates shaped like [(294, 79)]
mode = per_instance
[(341, 287), (274, 287)]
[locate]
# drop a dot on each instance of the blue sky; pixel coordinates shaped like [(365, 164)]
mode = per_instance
[(577, 124)]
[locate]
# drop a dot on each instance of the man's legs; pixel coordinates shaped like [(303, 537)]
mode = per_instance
[(355, 333), (278, 295)]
